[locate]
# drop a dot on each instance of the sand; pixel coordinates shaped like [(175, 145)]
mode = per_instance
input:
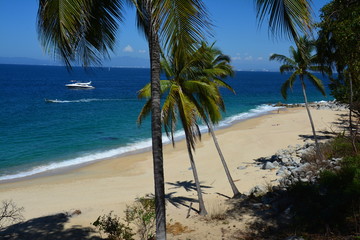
[(111, 184)]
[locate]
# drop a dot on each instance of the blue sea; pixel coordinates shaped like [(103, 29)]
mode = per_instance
[(89, 125)]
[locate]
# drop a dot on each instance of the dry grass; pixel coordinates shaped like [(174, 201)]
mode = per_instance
[(216, 210), (177, 229)]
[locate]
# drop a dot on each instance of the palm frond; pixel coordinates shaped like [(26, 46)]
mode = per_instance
[(316, 82), (287, 68), (183, 23), (288, 84), (283, 59), (78, 30), (145, 92), (286, 17), (145, 111)]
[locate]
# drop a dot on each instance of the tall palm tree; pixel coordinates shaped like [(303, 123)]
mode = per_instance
[(183, 93), (85, 30), (214, 66), (300, 63)]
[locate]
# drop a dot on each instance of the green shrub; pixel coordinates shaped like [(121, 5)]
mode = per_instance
[(142, 214), (342, 147), (331, 204), (113, 227)]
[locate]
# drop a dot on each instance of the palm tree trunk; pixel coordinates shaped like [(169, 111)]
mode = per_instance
[(202, 209), (351, 126), (318, 152), (230, 179), (156, 131)]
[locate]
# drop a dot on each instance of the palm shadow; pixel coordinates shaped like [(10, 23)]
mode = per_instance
[(187, 185), (47, 228), (183, 201)]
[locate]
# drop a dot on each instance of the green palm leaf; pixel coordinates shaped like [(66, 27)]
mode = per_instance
[(79, 30), (288, 84), (316, 82), (287, 17)]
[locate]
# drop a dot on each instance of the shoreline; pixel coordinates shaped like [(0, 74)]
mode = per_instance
[(227, 123), (110, 185)]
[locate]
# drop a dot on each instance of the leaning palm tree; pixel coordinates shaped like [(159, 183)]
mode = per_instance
[(182, 102), (85, 30), (214, 66), (300, 64)]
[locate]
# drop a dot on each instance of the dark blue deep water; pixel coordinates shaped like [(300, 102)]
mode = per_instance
[(88, 125)]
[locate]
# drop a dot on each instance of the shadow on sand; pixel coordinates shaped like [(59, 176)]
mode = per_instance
[(47, 228)]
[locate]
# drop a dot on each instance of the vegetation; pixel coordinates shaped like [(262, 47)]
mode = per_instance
[(300, 64), (338, 47), (141, 214), (187, 92), (113, 227), (85, 31), (333, 203), (10, 213), (214, 66)]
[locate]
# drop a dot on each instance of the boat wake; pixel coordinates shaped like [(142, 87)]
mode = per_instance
[(86, 100)]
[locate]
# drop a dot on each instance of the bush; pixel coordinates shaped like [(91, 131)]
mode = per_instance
[(10, 213), (114, 229), (331, 204), (142, 214)]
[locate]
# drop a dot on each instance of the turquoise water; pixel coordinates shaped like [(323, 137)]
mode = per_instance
[(88, 125)]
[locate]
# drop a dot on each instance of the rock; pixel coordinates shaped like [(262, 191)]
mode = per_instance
[(276, 164), (302, 168), (241, 167), (294, 238), (296, 160), (268, 165), (257, 190)]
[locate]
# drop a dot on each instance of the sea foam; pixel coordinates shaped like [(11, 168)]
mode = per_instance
[(131, 148)]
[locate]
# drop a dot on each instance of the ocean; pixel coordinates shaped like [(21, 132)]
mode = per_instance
[(83, 126)]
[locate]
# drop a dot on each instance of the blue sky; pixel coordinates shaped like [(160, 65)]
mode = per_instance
[(236, 33)]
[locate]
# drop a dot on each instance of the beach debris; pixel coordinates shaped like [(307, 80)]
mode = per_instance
[(76, 212), (241, 167)]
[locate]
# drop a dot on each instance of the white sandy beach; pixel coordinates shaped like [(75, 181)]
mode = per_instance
[(111, 184)]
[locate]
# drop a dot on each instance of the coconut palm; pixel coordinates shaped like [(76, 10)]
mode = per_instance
[(300, 63), (84, 31), (182, 101), (214, 66)]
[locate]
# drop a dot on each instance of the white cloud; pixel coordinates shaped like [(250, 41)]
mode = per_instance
[(128, 48), (142, 51), (235, 58), (249, 58), (260, 58)]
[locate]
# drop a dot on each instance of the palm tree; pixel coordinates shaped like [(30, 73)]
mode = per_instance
[(183, 101), (214, 66), (84, 31), (300, 63)]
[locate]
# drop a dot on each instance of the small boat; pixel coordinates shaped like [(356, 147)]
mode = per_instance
[(79, 85), (51, 100)]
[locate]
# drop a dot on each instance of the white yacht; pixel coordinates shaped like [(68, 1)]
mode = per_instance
[(79, 85)]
